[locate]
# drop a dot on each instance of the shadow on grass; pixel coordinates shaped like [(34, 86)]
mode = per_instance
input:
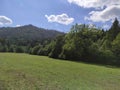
[(109, 65), (114, 64)]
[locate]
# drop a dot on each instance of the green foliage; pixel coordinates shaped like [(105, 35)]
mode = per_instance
[(72, 48), (57, 47), (44, 50), (3, 49), (83, 43), (79, 41), (89, 44), (19, 49), (116, 45), (35, 49), (114, 30)]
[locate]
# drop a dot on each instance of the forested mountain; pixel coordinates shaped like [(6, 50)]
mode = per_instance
[(21, 39), (27, 32)]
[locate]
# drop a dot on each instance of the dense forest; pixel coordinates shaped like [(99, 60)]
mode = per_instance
[(82, 43), (20, 39)]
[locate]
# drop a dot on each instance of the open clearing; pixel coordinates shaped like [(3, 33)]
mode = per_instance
[(29, 72)]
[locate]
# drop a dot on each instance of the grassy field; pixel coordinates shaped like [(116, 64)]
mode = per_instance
[(28, 72)]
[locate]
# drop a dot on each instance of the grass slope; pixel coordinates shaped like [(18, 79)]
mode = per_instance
[(27, 72)]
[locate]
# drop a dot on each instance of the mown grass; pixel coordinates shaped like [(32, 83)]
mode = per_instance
[(29, 72)]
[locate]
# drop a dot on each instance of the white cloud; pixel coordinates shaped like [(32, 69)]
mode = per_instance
[(1, 24), (106, 10), (5, 20), (62, 19), (107, 14), (92, 25), (18, 25), (94, 3)]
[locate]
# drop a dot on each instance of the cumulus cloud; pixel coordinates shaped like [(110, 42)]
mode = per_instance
[(5, 20), (62, 19), (107, 14), (105, 10), (94, 3)]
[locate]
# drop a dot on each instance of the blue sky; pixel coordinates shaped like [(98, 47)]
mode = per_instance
[(58, 14)]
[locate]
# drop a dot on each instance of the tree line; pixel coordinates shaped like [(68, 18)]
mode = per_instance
[(82, 43)]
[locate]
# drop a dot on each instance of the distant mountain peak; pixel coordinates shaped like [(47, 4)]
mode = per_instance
[(29, 25), (29, 32)]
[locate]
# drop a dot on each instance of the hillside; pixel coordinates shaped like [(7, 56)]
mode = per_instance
[(28, 32), (29, 72)]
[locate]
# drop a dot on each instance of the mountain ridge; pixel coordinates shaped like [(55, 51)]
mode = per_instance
[(28, 32)]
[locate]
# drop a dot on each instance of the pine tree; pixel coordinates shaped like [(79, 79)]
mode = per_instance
[(114, 30)]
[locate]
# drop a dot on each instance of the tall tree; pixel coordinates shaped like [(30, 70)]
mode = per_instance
[(114, 30), (57, 47), (116, 45)]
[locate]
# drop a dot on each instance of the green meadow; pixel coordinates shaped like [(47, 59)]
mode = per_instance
[(29, 72)]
